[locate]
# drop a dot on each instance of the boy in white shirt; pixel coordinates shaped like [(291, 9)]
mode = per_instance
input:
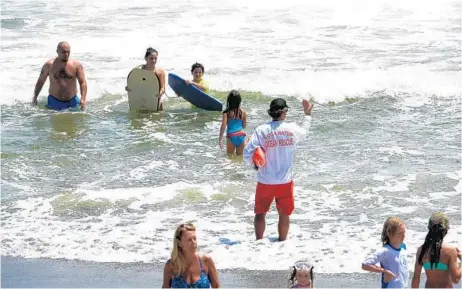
[(275, 181)]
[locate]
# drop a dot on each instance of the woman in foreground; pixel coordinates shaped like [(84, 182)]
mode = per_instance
[(186, 268)]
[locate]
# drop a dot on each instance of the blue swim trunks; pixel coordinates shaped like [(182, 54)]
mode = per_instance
[(56, 104)]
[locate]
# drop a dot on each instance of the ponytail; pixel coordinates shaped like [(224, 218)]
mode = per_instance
[(432, 244)]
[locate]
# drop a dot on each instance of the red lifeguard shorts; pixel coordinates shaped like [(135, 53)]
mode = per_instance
[(283, 193)]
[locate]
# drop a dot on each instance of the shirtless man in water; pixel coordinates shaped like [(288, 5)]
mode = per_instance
[(63, 74)]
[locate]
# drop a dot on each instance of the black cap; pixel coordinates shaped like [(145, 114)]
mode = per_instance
[(278, 104)]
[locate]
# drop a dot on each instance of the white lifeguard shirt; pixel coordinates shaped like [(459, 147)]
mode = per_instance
[(278, 139)]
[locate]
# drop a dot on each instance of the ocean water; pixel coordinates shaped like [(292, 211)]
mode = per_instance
[(108, 185)]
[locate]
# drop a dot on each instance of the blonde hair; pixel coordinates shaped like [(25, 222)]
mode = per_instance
[(177, 258), (390, 227)]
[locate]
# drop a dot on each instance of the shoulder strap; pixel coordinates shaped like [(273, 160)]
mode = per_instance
[(200, 262), (239, 113)]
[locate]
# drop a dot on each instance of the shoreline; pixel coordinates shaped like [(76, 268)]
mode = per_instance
[(46, 273)]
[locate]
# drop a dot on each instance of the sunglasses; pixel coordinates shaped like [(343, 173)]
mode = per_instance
[(303, 265), (187, 226)]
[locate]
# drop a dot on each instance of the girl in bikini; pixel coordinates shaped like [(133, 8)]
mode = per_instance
[(438, 259), (234, 121)]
